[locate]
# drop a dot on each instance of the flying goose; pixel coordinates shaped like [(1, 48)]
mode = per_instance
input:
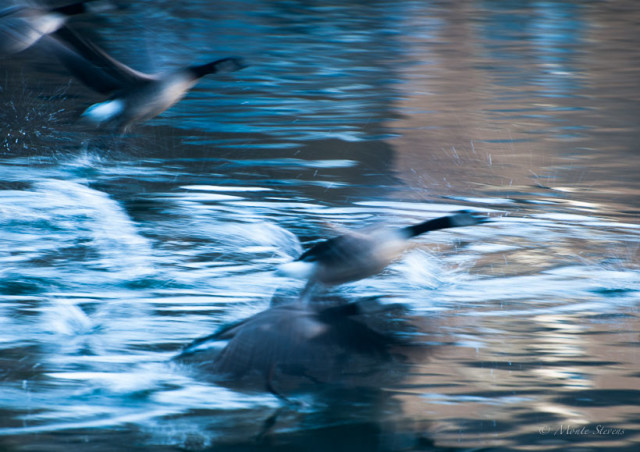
[(358, 255), (133, 96)]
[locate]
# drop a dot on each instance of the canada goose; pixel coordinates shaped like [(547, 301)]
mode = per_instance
[(293, 346), (134, 96), (22, 25), (358, 255)]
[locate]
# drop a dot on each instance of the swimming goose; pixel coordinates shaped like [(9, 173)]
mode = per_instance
[(22, 25), (134, 96), (358, 255)]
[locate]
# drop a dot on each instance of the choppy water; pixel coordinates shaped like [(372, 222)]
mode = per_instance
[(116, 252)]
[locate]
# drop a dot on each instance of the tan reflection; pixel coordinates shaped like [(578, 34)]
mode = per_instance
[(479, 114), (523, 366)]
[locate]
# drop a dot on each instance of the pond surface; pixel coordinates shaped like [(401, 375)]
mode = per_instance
[(118, 251)]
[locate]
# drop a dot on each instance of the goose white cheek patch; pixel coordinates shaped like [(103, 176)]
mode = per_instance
[(104, 111)]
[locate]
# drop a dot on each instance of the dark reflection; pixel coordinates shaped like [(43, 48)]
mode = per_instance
[(19, 364), (294, 347), (357, 436), (320, 432)]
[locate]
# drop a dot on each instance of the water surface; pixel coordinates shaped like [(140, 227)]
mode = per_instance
[(116, 252)]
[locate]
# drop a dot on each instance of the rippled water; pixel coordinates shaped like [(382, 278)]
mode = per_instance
[(116, 252)]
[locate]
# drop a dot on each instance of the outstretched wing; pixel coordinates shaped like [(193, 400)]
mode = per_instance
[(21, 26), (92, 65), (336, 250)]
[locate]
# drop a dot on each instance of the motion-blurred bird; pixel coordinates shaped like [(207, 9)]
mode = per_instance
[(23, 24), (290, 347), (134, 96), (358, 255)]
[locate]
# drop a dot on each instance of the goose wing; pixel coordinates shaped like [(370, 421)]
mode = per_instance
[(21, 26), (92, 65), (337, 250)]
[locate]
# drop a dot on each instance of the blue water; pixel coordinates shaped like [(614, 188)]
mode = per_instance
[(118, 251)]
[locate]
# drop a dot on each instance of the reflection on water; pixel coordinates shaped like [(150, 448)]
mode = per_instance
[(117, 252)]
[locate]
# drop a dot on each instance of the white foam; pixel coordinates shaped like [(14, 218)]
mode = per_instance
[(296, 269)]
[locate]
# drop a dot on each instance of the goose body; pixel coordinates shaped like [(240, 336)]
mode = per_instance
[(348, 257), (142, 102)]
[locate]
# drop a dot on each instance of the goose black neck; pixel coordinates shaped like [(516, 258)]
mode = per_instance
[(223, 65), (429, 225), (71, 9)]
